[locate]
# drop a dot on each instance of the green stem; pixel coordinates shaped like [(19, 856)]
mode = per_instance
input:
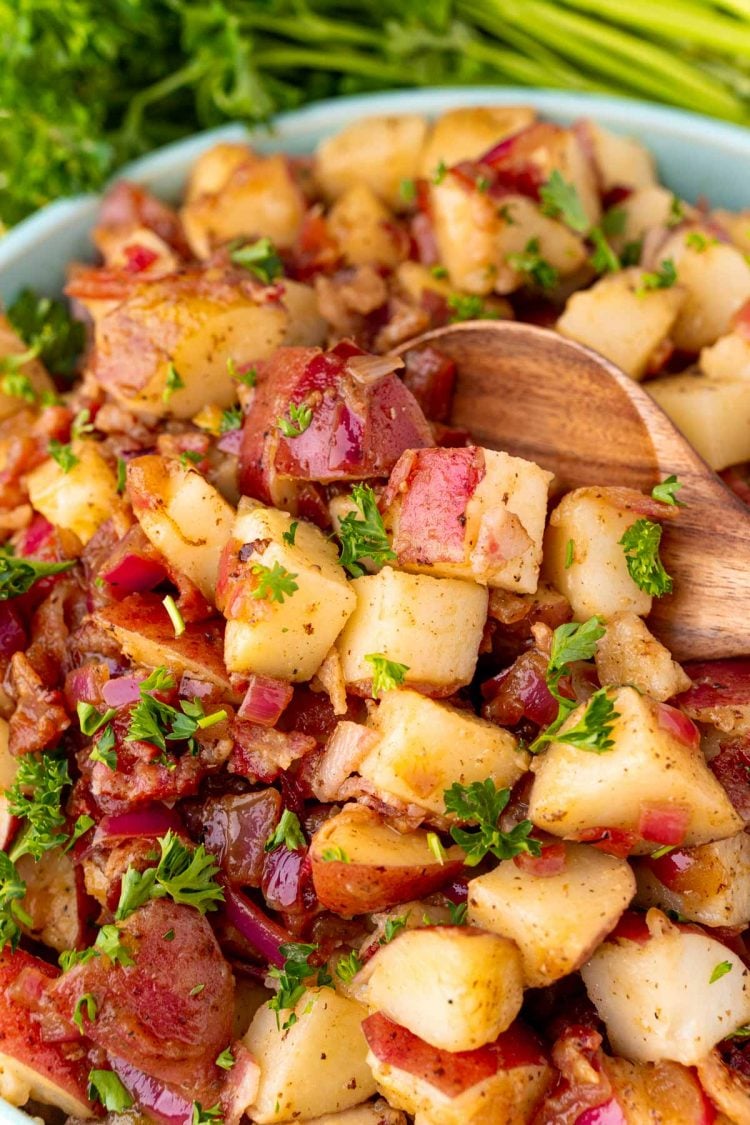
[(678, 21)]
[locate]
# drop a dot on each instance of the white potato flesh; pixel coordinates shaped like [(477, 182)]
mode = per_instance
[(716, 281), (713, 414), (711, 884), (368, 841), (629, 653), (259, 199), (214, 167), (183, 516), (316, 1066), (620, 321), (558, 244), (358, 221), (380, 152), (79, 500), (432, 625), (470, 132), (20, 1083), (576, 791), (51, 899), (658, 999), (646, 208), (620, 161), (728, 1089), (463, 987), (737, 226), (8, 770), (728, 358), (288, 639), (424, 747), (11, 344), (584, 559), (555, 920), (372, 1113), (467, 228)]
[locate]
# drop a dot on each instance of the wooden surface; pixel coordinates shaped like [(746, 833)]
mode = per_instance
[(535, 394)]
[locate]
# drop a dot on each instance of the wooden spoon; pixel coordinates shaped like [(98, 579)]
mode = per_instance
[(533, 393)]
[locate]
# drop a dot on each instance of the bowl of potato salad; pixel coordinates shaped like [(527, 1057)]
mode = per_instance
[(344, 780)]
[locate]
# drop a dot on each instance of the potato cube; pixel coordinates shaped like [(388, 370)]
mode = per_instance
[(467, 227), (468, 513), (214, 167), (424, 747), (727, 359), (737, 225), (709, 884), (715, 278), (469, 132), (620, 161), (555, 920), (713, 414), (662, 998), (316, 1066), (463, 986), (584, 559), (380, 152), (183, 515), (558, 244), (432, 625), (359, 223), (79, 500), (629, 653), (370, 1113), (290, 636), (621, 322), (576, 791), (646, 208)]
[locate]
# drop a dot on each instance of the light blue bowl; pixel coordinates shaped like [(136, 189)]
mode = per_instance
[(696, 155)]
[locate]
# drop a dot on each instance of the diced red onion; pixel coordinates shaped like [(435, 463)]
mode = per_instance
[(550, 862), (161, 1103), (370, 368), (663, 823), (36, 537), (230, 442), (678, 725), (608, 1114), (265, 700), (154, 820), (256, 927), (135, 574), (121, 690)]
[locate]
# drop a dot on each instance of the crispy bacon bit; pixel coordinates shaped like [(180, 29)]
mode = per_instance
[(520, 692), (731, 767), (720, 694), (40, 717), (261, 754)]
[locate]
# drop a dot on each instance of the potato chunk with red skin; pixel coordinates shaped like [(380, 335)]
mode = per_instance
[(150, 1013), (357, 430), (709, 884), (30, 1066), (503, 1081), (468, 513)]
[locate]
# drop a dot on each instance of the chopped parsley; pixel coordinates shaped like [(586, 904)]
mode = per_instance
[(298, 419), (438, 272), (210, 1116), (676, 211), (386, 674), (174, 382), (14, 382), (437, 849), (365, 537), (720, 971), (334, 854), (49, 330), (12, 914), (231, 419), (641, 545), (613, 221), (465, 306), (247, 378), (603, 258), (631, 252), (106, 1087), (107, 944), (393, 926), (287, 833), (104, 750), (458, 911), (570, 554), (290, 535), (593, 729), (481, 803), (348, 966), (186, 875), (18, 574), (90, 720), (63, 454), (667, 492), (408, 190), (189, 458), (196, 990), (663, 278), (178, 623), (275, 583), (533, 266), (291, 978), (36, 798), (260, 259), (226, 1060), (81, 425), (122, 475), (440, 172), (86, 1004), (571, 642), (154, 721), (698, 241), (560, 200)]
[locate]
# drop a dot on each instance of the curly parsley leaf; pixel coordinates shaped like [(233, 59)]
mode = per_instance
[(107, 944), (152, 720), (667, 492), (186, 875), (364, 536), (481, 803), (533, 266), (63, 454), (260, 258), (641, 546), (36, 798), (275, 583), (292, 978), (593, 729), (571, 642), (560, 200), (288, 832), (210, 1116), (231, 419), (386, 674), (18, 574), (663, 278), (12, 915), (50, 331), (298, 419), (348, 966), (467, 306)]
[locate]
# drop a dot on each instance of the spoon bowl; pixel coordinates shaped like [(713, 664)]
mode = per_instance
[(538, 395)]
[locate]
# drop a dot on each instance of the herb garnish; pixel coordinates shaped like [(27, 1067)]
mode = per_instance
[(295, 971), (260, 258), (386, 674), (481, 803), (365, 537), (186, 875), (641, 545)]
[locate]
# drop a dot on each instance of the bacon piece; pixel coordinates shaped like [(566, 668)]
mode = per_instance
[(128, 205), (40, 717), (731, 767), (262, 753), (720, 694)]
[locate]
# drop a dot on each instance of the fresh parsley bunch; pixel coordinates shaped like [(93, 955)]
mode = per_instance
[(481, 803)]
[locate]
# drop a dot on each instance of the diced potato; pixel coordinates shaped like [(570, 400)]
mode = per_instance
[(467, 229), (380, 152), (737, 225), (258, 198), (558, 244), (288, 638), (593, 572), (432, 625), (8, 770), (727, 1087), (621, 322), (576, 791), (12, 344), (663, 998), (555, 920), (79, 500), (727, 359), (469, 132), (195, 321), (52, 899), (358, 221), (463, 986), (716, 281), (665, 1091), (709, 884), (424, 747), (371, 1113), (214, 167), (713, 414), (316, 1066), (646, 208), (620, 161), (629, 653), (183, 515)]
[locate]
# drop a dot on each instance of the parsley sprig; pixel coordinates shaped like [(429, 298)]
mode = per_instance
[(186, 875), (152, 720), (560, 200), (481, 803), (386, 674), (292, 978), (297, 419), (288, 832), (468, 306), (36, 798), (12, 914), (641, 545), (107, 944), (49, 330), (260, 258), (275, 583), (662, 278), (533, 266), (18, 574), (363, 536), (667, 491), (63, 455)]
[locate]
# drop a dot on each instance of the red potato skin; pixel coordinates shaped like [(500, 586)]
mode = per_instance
[(21, 1037), (450, 1072), (716, 683), (358, 888), (145, 1012), (357, 431)]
